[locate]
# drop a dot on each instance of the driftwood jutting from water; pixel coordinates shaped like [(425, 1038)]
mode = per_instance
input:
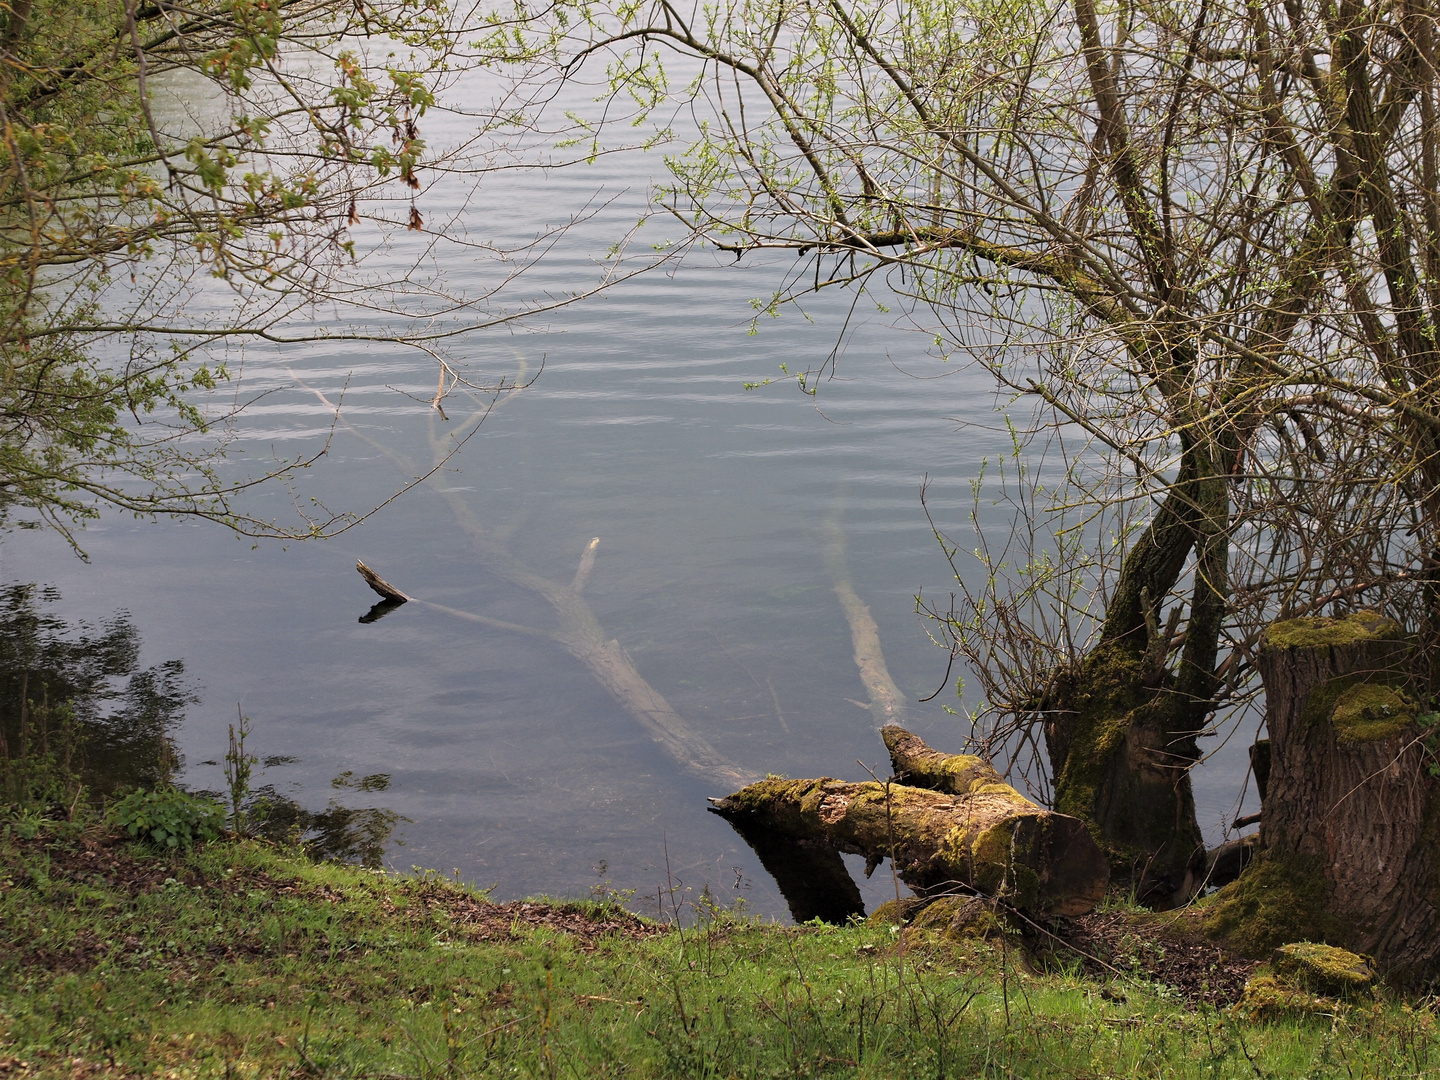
[(979, 833), (387, 591)]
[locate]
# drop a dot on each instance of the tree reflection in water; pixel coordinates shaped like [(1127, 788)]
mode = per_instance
[(340, 833), (78, 715), (81, 720)]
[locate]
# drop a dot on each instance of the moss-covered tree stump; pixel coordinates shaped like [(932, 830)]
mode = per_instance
[(1350, 796), (981, 835)]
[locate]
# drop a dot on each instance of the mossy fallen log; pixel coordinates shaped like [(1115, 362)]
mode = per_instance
[(992, 841)]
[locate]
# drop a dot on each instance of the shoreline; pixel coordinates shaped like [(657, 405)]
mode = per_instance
[(242, 959)]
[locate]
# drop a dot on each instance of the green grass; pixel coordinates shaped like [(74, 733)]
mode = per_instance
[(241, 960)]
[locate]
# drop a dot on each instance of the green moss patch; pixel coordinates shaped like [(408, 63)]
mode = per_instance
[(965, 774), (896, 912), (1317, 632), (1270, 998), (958, 918), (1276, 901), (1368, 712), (1324, 969), (1363, 707), (1306, 978)]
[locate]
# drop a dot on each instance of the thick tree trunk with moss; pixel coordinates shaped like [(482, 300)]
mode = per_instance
[(1126, 773), (1350, 799), (991, 840), (1121, 730)]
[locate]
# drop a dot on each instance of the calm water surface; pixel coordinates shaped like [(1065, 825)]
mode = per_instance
[(514, 765)]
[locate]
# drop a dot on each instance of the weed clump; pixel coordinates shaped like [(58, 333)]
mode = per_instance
[(168, 818)]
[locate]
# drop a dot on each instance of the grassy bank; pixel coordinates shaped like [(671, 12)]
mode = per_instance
[(241, 960)]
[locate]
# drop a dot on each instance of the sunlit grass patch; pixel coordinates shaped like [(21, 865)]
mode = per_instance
[(240, 960)]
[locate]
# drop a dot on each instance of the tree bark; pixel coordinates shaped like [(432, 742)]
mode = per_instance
[(15, 21), (1126, 773), (1349, 793), (992, 840)]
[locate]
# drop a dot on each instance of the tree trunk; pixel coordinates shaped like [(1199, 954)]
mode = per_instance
[(1121, 730), (992, 840), (1350, 799), (19, 15), (1126, 773)]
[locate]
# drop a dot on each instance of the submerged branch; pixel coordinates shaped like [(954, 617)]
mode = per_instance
[(887, 703)]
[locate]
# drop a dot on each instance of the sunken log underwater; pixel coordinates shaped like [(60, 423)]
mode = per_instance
[(950, 821)]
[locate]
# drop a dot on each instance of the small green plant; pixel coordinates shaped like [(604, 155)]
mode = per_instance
[(604, 891), (238, 767), (169, 818), (27, 823)]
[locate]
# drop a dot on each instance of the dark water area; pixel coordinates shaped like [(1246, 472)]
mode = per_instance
[(509, 763)]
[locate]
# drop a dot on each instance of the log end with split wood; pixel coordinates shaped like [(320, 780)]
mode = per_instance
[(1350, 819), (970, 831)]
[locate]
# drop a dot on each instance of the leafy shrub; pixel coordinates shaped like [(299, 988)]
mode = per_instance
[(169, 817), (26, 824)]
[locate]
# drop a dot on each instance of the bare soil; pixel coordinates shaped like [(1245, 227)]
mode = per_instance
[(1162, 948)]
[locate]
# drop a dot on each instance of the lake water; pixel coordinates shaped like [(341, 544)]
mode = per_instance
[(713, 504)]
